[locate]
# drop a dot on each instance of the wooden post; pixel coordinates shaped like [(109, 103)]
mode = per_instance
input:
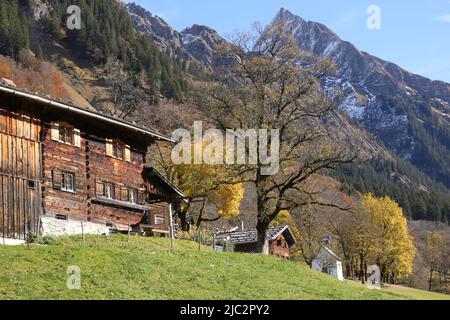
[(214, 241), (129, 231), (82, 232), (171, 231), (199, 239)]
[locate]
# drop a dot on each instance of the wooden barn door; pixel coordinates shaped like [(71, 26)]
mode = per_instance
[(20, 173)]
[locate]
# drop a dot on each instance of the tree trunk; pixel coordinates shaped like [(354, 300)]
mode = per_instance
[(262, 245), (182, 213), (431, 279), (365, 272), (361, 272), (183, 221)]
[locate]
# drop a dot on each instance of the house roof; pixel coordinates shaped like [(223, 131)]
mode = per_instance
[(329, 252), (70, 108), (152, 172), (250, 236)]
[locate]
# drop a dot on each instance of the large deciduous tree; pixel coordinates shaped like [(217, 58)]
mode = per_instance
[(125, 95), (434, 253), (271, 84), (208, 185), (396, 250)]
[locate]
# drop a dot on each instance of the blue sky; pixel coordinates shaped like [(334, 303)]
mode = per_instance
[(413, 34)]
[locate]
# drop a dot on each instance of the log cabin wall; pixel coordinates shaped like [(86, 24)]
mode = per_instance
[(279, 247), (20, 171), (48, 175), (59, 158), (92, 168), (125, 176), (159, 216)]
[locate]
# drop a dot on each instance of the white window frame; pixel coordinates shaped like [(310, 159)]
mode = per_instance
[(158, 218), (108, 190), (65, 186), (133, 196)]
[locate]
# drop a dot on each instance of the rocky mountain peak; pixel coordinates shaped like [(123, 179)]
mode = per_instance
[(159, 30), (287, 17), (138, 10), (199, 30), (198, 43), (386, 99), (202, 43)]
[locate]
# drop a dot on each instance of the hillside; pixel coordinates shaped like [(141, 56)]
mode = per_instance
[(113, 268), (106, 35)]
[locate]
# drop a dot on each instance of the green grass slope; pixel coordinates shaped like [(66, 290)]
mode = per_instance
[(113, 268)]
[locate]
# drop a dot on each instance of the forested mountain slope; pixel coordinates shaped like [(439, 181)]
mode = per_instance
[(401, 119)]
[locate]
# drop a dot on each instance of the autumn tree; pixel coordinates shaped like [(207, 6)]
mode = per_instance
[(271, 84), (396, 251), (125, 95), (364, 239), (310, 230), (208, 185), (433, 253), (35, 75)]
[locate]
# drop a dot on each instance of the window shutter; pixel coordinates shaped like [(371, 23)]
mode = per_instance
[(77, 138), (55, 132), (141, 199), (74, 181), (127, 153), (99, 188), (116, 192), (109, 147), (56, 179)]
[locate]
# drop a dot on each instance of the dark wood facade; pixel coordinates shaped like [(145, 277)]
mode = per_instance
[(278, 247), (62, 163), (20, 171), (280, 240)]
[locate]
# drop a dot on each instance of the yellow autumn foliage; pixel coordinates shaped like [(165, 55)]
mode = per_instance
[(285, 218), (395, 251), (214, 182)]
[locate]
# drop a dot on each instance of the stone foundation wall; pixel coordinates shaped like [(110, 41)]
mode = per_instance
[(55, 227)]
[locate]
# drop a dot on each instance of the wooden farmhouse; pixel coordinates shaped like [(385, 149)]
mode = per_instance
[(280, 240), (67, 170)]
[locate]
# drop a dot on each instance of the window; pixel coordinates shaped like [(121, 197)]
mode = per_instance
[(61, 216), (67, 182), (64, 181), (66, 134), (118, 150), (108, 190), (159, 220), (141, 198), (133, 196)]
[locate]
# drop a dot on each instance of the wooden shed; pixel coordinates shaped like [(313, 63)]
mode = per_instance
[(280, 240), (64, 170)]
